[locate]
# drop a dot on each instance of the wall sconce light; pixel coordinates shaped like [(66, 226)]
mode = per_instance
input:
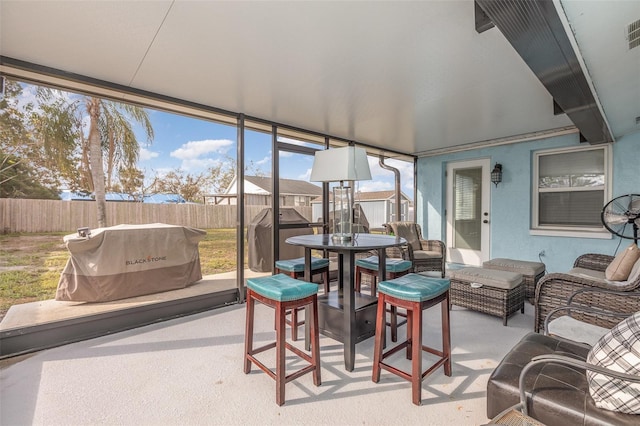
[(496, 174)]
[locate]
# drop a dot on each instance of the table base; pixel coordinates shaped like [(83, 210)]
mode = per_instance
[(331, 316)]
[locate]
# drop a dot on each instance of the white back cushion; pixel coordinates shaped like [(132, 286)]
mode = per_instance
[(618, 350)]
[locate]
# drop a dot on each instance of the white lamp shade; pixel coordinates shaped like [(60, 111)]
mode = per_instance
[(338, 164)]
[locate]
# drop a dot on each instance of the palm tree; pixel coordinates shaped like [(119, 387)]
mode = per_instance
[(121, 147), (110, 130)]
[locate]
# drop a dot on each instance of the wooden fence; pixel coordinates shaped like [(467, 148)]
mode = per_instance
[(19, 215)]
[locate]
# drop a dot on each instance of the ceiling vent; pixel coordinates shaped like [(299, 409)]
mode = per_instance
[(634, 34)]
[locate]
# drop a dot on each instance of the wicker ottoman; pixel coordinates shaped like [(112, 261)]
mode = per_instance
[(494, 292), (531, 273)]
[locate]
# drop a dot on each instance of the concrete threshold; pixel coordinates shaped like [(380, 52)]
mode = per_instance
[(44, 324)]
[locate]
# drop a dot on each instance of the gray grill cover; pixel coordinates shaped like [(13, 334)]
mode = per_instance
[(259, 238), (129, 260), (360, 221)]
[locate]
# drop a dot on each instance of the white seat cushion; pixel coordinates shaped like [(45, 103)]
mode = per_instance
[(600, 276), (588, 273), (578, 331)]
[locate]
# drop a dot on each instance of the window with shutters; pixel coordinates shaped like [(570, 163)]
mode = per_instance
[(570, 186)]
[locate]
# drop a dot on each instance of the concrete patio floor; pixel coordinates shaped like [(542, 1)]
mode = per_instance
[(188, 371)]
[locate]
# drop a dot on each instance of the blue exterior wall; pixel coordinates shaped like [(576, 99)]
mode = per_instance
[(511, 200)]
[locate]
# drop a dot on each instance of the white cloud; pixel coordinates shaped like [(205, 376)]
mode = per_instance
[(405, 167), (306, 175), (29, 95), (406, 175), (194, 149), (161, 171), (377, 171), (199, 163), (407, 187), (151, 173), (293, 141), (265, 160), (373, 185), (146, 154)]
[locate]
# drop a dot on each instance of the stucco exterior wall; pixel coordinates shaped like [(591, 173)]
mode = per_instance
[(511, 200)]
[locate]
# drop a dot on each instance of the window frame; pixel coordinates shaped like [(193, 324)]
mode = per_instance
[(564, 230)]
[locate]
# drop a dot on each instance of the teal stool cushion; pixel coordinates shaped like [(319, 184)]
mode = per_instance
[(393, 265), (282, 287), (414, 287), (297, 265)]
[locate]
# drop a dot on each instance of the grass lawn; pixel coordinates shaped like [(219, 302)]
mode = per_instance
[(30, 264)]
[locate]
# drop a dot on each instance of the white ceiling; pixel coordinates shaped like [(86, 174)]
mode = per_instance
[(414, 77)]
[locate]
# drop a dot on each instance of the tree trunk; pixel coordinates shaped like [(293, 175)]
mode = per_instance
[(85, 166), (110, 156), (95, 155)]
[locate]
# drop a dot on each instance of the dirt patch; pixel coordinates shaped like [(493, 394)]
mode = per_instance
[(20, 246), (29, 242), (13, 268)]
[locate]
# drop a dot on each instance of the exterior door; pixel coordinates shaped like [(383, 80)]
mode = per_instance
[(468, 218), (294, 194)]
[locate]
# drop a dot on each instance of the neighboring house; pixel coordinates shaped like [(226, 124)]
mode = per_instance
[(377, 206), (67, 195), (164, 199), (257, 189)]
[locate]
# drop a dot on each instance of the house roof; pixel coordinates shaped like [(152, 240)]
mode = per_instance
[(83, 196), (377, 195), (369, 196), (287, 186), (164, 199)]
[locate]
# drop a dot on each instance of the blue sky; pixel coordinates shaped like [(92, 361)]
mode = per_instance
[(194, 145)]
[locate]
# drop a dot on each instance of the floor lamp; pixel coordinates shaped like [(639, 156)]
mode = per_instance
[(341, 165)]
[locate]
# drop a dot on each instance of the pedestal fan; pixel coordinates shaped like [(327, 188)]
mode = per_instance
[(621, 216)]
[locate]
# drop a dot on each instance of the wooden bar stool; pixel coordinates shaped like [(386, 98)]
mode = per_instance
[(282, 293), (295, 269), (413, 292), (395, 269), (369, 266)]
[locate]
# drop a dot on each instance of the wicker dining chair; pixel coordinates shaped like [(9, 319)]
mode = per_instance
[(426, 255)]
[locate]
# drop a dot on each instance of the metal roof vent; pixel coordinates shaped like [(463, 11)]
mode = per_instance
[(634, 34)]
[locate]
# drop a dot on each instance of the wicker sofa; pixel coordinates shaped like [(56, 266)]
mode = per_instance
[(553, 291)]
